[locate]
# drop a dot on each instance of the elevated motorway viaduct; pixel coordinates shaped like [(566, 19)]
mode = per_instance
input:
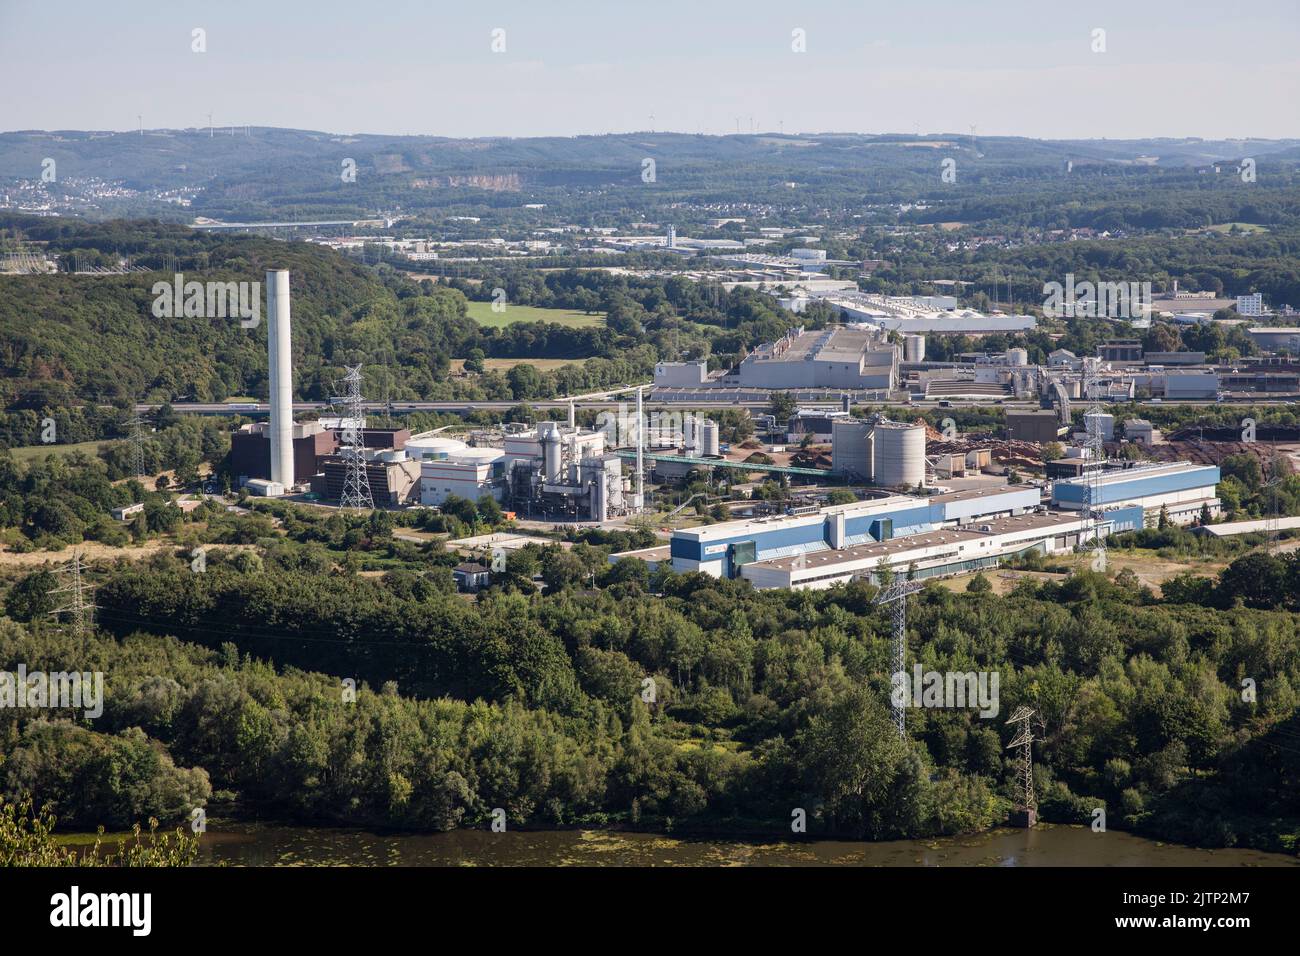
[(402, 408)]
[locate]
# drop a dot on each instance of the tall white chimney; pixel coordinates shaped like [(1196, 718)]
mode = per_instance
[(280, 363)]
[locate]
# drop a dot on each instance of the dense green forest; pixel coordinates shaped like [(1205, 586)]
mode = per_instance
[(765, 702), (69, 338)]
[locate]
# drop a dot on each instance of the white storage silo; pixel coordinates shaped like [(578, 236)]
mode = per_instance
[(899, 454), (914, 348), (1017, 356), (429, 445), (851, 448), (709, 439)]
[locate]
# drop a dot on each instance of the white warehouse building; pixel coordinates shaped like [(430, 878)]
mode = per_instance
[(824, 358)]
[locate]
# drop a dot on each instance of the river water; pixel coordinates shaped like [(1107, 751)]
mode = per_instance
[(252, 844)]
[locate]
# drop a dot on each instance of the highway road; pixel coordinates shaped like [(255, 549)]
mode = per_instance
[(462, 407)]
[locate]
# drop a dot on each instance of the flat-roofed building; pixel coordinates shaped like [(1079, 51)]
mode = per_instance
[(1181, 489), (250, 449), (1120, 351), (823, 358), (1275, 338), (1038, 426), (470, 473), (722, 549), (682, 373), (394, 478), (936, 553), (1191, 385)]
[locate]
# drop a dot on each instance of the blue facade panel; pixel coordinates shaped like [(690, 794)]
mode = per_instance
[(1126, 519), (686, 548), (1074, 491)]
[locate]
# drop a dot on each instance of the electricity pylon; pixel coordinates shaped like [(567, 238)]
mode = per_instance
[(1024, 739), (77, 590), (895, 596), (137, 445), (356, 483)]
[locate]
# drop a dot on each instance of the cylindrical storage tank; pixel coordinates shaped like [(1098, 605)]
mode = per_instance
[(432, 446), (1017, 357), (914, 348), (899, 454), (851, 445), (475, 455), (709, 439)]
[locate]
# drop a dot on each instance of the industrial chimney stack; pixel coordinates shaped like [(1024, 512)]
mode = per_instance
[(280, 363)]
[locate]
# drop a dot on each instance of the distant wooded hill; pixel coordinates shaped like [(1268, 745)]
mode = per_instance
[(297, 174)]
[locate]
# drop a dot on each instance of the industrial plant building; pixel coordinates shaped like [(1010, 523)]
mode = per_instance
[(826, 358), (913, 315), (723, 549), (551, 471), (250, 449), (948, 533), (393, 478), (1181, 490)]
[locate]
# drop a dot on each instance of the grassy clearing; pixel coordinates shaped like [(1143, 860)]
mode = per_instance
[(505, 364), (30, 453), (481, 312), (1240, 226), (1151, 568)]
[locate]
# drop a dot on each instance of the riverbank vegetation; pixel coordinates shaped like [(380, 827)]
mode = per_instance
[(663, 700)]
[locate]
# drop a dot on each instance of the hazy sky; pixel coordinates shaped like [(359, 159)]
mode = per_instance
[(1019, 67)]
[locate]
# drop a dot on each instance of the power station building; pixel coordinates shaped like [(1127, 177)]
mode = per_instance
[(250, 449), (550, 471), (564, 473)]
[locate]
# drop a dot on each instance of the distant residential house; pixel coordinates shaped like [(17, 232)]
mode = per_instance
[(471, 577), (127, 511)]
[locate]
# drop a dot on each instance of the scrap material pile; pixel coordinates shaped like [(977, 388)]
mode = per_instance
[(1023, 454), (812, 457), (1214, 452)]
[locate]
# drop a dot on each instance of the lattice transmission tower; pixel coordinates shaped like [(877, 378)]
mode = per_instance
[(77, 590), (1026, 803), (136, 438), (894, 596), (356, 482)]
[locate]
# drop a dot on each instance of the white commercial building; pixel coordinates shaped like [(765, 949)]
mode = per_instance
[(1252, 304)]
